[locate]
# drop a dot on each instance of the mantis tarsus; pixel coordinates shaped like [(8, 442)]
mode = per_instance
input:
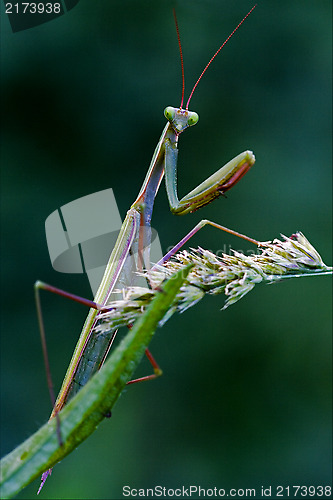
[(91, 349)]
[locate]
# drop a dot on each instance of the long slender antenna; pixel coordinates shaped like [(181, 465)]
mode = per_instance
[(213, 57), (181, 57)]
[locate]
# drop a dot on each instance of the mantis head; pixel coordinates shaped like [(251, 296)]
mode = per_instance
[(180, 118)]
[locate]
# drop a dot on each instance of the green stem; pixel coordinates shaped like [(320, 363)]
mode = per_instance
[(280, 277), (89, 407)]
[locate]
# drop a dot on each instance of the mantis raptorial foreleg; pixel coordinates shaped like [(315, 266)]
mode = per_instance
[(215, 185)]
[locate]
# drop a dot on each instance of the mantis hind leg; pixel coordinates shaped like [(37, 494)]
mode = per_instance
[(39, 285), (157, 370)]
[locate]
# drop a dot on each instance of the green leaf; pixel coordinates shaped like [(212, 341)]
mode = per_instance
[(88, 408)]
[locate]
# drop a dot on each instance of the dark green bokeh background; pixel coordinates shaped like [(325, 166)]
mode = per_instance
[(245, 399)]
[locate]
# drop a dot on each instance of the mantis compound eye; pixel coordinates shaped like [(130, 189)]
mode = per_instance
[(193, 118), (170, 113)]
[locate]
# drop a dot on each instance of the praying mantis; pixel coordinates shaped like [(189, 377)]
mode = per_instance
[(134, 238)]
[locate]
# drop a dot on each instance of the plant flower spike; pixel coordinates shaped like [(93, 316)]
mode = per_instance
[(234, 275)]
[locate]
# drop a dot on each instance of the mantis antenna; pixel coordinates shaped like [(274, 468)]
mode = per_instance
[(181, 58), (209, 62)]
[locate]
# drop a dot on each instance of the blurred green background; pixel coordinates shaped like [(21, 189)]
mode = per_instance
[(245, 399)]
